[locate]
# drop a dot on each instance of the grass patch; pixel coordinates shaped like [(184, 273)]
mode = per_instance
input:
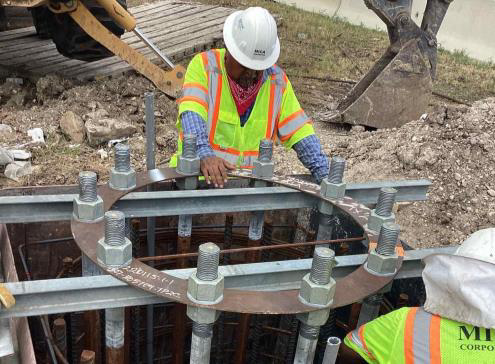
[(317, 45)]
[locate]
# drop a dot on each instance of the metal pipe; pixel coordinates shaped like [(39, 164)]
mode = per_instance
[(60, 335), (150, 221), (153, 47), (87, 357), (201, 343), (114, 335), (306, 344), (331, 350)]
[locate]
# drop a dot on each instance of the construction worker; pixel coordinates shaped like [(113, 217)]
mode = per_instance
[(233, 98), (457, 322)]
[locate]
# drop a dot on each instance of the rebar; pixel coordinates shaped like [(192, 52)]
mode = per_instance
[(202, 330), (322, 265), (337, 167), (122, 157), (114, 228), (208, 259), (309, 332), (87, 186), (265, 150), (189, 146), (386, 200), (389, 234)]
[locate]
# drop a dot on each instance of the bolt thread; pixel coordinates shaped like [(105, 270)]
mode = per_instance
[(386, 200), (208, 259), (387, 240), (321, 268), (202, 330), (265, 150), (337, 167), (189, 146), (309, 332), (87, 186), (114, 228), (122, 157)]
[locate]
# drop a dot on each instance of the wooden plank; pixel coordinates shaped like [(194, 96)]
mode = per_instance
[(33, 47), (177, 32), (32, 54)]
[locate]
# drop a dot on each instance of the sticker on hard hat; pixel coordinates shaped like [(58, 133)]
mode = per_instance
[(259, 52)]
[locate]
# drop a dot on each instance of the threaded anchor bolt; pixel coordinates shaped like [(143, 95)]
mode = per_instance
[(114, 228), (208, 260), (189, 146), (122, 157), (265, 150), (337, 167), (202, 330), (309, 332), (87, 186), (387, 240), (386, 200), (321, 268)]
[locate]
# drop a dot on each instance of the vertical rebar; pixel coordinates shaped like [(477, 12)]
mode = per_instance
[(87, 186), (114, 228), (150, 221), (337, 167), (208, 260), (306, 344), (386, 200), (201, 343), (60, 335), (265, 150), (322, 265), (189, 146), (387, 240), (122, 157)]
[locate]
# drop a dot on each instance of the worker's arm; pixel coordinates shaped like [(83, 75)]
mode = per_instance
[(312, 157), (349, 356), (213, 168), (295, 130)]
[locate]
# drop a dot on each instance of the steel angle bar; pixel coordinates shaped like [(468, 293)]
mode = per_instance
[(39, 208), (90, 293)]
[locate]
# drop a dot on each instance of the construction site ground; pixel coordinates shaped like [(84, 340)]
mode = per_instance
[(453, 144)]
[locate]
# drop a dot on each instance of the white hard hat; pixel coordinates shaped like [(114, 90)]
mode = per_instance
[(480, 245), (251, 38)]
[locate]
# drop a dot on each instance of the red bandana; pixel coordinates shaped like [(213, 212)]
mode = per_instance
[(243, 98)]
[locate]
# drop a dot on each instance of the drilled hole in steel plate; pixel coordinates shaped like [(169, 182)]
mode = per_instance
[(352, 288)]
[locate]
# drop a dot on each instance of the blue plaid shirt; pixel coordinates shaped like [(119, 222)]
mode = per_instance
[(308, 149)]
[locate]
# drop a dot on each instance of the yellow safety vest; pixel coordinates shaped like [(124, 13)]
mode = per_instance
[(276, 111), (414, 336)]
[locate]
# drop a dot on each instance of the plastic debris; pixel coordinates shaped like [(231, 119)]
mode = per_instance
[(18, 169), (6, 157), (37, 135)]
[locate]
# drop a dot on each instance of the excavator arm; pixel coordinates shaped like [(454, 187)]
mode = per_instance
[(397, 88)]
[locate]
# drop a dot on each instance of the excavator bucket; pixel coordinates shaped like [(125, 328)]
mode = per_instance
[(395, 91)]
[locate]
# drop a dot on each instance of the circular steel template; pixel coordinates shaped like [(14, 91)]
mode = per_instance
[(350, 289)]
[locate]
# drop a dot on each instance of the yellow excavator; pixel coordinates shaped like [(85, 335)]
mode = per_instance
[(91, 30)]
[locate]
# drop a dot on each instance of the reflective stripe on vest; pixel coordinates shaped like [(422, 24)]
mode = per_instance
[(212, 64), (193, 91), (291, 124), (422, 338)]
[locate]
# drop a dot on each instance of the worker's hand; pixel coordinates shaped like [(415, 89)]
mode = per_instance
[(215, 170)]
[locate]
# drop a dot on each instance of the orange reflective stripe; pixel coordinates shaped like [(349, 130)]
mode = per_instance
[(290, 117), (217, 101), (287, 137), (195, 85), (226, 150), (270, 109), (193, 99), (409, 336), (204, 55), (361, 337), (435, 355)]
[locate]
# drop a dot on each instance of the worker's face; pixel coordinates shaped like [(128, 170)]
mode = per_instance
[(240, 74)]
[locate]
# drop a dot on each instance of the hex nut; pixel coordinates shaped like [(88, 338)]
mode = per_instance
[(188, 165), (187, 183), (202, 315), (314, 318), (314, 294), (375, 221), (206, 292), (122, 180), (114, 256), (325, 207), (332, 190), (382, 264), (88, 211), (263, 169)]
